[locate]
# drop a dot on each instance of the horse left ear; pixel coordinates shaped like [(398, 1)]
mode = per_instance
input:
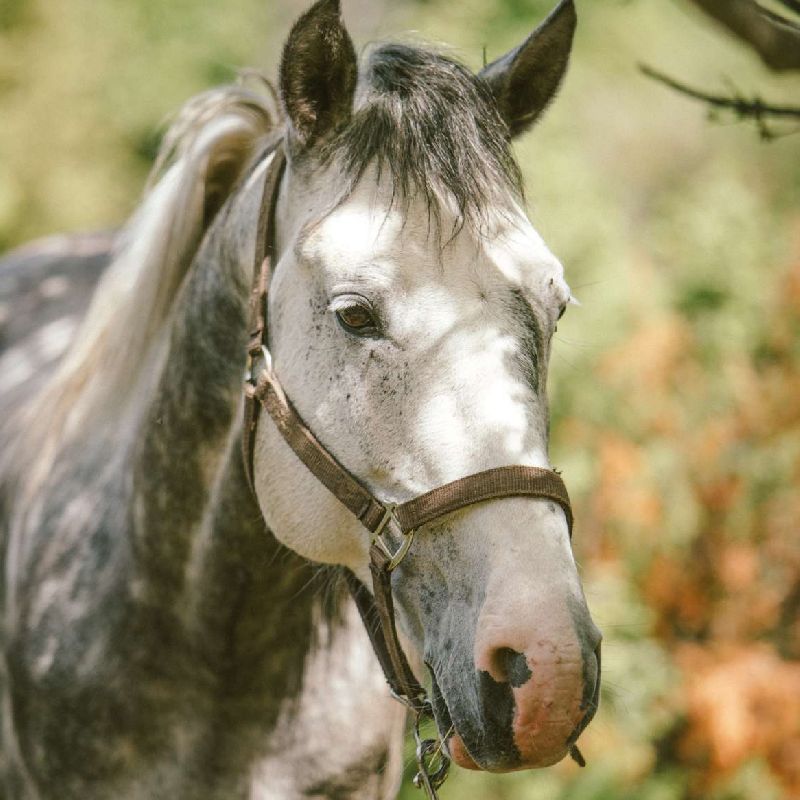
[(526, 79), (318, 74)]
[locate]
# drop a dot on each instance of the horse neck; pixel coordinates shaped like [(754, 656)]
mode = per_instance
[(186, 428), (203, 553)]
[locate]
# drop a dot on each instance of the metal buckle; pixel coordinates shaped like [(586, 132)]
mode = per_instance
[(266, 355), (408, 537)]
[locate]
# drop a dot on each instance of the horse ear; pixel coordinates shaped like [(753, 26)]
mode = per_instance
[(318, 74), (526, 79)]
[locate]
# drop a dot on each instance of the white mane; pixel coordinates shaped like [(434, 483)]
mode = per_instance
[(205, 151)]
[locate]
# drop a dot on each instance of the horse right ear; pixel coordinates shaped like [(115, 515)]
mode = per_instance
[(318, 75), (525, 80)]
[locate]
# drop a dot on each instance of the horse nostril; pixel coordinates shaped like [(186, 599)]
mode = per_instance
[(512, 667)]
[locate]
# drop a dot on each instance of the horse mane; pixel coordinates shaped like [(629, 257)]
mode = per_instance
[(435, 127), (208, 147)]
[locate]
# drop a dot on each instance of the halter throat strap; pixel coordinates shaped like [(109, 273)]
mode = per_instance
[(388, 523)]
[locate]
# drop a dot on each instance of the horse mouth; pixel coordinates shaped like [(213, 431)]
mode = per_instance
[(504, 759), (452, 741), (444, 721)]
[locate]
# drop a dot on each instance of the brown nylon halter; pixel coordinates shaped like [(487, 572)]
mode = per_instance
[(262, 389)]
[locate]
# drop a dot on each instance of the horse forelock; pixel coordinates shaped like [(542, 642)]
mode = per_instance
[(434, 127), (209, 146)]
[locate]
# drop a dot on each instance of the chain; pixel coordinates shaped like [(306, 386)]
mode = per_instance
[(433, 763)]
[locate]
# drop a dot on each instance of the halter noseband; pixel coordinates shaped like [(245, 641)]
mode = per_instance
[(262, 389)]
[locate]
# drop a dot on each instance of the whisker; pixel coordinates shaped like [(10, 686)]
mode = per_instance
[(589, 284), (582, 344), (569, 363)]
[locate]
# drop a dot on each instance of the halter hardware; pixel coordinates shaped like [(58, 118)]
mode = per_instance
[(433, 764), (377, 610), (249, 377), (378, 540)]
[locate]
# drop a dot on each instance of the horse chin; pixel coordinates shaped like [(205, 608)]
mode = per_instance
[(460, 755), (453, 743)]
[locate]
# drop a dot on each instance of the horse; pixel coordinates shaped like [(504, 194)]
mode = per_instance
[(169, 629)]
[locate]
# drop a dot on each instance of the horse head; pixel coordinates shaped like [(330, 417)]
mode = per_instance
[(410, 317)]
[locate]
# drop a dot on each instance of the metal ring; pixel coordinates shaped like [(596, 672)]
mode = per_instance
[(267, 358), (402, 551), (428, 750), (388, 513), (408, 537)]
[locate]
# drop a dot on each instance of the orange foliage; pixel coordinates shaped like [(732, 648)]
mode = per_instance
[(726, 593), (711, 441), (651, 357), (623, 492), (742, 701), (680, 599)]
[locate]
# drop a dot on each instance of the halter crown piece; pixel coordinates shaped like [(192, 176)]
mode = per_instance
[(263, 390)]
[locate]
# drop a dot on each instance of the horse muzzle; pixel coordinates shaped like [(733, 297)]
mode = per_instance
[(522, 707)]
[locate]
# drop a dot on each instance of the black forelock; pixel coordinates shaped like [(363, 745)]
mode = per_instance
[(434, 126)]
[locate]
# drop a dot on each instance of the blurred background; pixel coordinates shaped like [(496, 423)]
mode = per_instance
[(675, 387)]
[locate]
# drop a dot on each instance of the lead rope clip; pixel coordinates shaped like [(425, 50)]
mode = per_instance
[(429, 776)]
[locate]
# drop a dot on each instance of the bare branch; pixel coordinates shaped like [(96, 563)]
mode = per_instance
[(780, 20), (793, 5), (744, 108), (775, 38)]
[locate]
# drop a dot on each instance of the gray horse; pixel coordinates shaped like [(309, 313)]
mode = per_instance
[(168, 632)]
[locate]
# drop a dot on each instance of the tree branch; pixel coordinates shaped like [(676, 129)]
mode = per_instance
[(743, 107), (775, 38), (793, 5), (780, 20)]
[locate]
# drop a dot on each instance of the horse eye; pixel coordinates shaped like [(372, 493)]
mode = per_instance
[(357, 319)]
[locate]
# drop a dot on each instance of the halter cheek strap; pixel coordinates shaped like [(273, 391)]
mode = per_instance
[(403, 519), (263, 390)]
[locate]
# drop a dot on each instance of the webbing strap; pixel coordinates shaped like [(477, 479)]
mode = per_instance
[(512, 481), (262, 272)]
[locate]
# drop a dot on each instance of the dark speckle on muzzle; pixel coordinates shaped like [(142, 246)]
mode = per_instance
[(515, 666)]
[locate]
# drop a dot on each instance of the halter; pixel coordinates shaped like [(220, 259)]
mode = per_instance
[(263, 390)]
